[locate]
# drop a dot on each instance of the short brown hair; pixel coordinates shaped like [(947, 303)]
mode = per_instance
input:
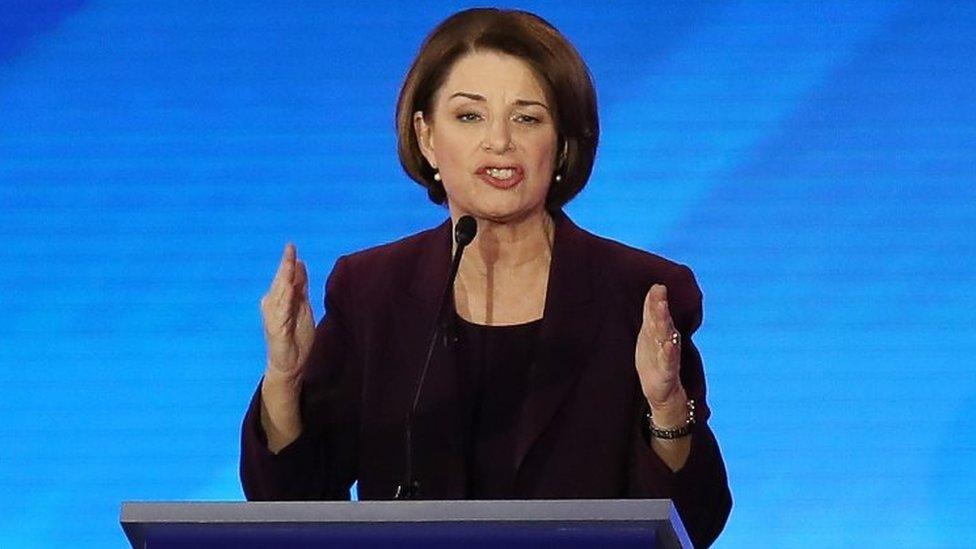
[(531, 39)]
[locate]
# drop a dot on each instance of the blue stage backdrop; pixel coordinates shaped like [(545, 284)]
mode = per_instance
[(813, 162)]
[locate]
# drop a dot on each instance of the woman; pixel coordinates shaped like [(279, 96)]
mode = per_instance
[(570, 372)]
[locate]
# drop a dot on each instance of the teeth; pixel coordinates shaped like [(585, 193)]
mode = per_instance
[(500, 173)]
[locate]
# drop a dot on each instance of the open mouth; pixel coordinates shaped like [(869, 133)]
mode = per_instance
[(500, 173), (502, 177)]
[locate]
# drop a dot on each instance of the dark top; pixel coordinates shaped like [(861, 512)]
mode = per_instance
[(496, 361), (581, 430)]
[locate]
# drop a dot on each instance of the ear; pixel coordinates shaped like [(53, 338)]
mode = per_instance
[(425, 138)]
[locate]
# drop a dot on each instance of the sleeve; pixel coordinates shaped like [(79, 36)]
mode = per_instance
[(321, 462), (700, 489)]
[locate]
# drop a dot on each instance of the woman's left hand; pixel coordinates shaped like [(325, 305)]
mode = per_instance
[(658, 360)]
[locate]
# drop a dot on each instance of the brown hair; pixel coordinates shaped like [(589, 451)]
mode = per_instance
[(542, 47)]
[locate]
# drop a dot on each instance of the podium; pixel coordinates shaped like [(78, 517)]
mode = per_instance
[(467, 524)]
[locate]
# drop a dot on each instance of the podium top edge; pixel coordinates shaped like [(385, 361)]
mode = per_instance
[(631, 510)]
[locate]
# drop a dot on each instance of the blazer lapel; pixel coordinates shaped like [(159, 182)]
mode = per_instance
[(565, 337), (414, 313), (431, 268), (570, 323)]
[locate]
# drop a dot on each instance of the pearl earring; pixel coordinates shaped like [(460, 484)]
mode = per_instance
[(559, 178), (437, 176)]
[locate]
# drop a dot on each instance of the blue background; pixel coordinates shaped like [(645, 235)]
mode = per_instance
[(813, 162)]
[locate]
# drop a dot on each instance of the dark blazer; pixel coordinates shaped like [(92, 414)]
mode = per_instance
[(582, 432)]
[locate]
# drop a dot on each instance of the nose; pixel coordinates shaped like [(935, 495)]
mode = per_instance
[(498, 138)]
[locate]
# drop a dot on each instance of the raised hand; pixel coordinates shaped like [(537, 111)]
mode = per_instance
[(289, 328), (658, 358)]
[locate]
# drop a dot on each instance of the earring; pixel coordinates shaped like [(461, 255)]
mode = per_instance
[(559, 178), (437, 176)]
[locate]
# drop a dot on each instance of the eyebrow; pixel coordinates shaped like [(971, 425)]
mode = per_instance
[(519, 102)]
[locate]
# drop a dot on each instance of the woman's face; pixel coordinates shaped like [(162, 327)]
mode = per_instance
[(491, 134)]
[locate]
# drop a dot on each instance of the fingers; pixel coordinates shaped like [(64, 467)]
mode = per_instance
[(287, 272), (658, 321), (283, 275), (281, 303), (287, 315), (658, 353), (300, 281), (297, 293), (287, 265), (656, 306)]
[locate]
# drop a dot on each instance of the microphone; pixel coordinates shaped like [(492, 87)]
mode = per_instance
[(464, 232)]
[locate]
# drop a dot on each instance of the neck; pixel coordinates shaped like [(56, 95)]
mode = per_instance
[(504, 273), (512, 246)]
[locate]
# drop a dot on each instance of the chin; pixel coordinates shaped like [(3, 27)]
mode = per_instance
[(497, 209), (505, 215)]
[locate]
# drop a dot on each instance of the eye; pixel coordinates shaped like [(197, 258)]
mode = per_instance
[(468, 117), (526, 119)]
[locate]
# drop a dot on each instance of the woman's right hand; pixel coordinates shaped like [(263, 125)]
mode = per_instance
[(288, 325), (289, 330)]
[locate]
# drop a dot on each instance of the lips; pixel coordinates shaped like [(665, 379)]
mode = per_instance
[(501, 176)]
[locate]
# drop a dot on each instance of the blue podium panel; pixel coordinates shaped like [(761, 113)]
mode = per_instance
[(487, 535), (404, 524)]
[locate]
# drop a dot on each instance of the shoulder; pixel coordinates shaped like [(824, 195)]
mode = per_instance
[(632, 262), (388, 265), (392, 254), (624, 272), (634, 266)]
